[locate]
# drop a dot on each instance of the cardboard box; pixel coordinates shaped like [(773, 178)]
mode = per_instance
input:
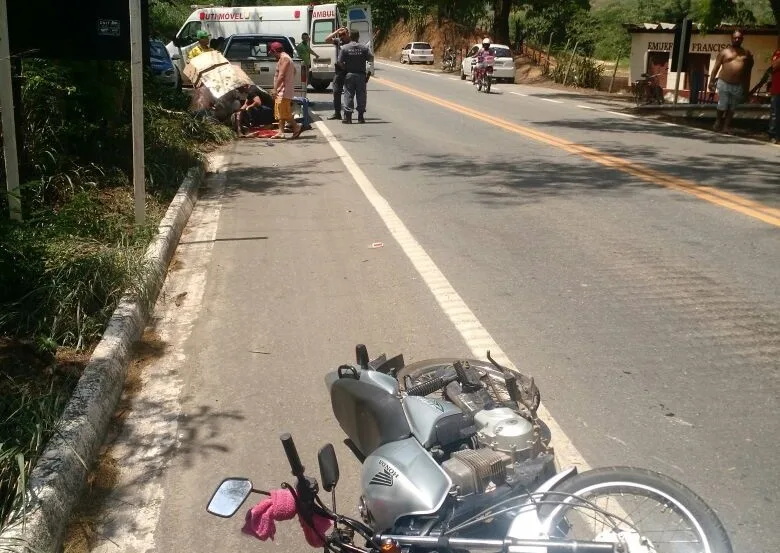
[(215, 72)]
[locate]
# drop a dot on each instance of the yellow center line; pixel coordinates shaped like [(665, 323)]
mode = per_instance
[(710, 194)]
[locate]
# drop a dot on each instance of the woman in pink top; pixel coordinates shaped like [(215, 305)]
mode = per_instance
[(284, 90)]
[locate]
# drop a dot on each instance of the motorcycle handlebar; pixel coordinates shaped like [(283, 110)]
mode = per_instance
[(292, 455)]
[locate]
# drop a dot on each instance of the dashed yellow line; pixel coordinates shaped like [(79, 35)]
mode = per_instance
[(715, 196)]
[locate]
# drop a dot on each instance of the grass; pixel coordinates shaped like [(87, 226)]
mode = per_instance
[(65, 267), (29, 411)]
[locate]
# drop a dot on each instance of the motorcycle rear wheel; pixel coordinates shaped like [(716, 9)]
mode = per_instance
[(698, 528), (487, 85)]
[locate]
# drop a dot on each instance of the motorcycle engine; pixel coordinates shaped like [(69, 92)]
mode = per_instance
[(501, 429), (507, 448)]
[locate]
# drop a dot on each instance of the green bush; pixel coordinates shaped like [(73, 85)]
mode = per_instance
[(64, 268), (584, 71)]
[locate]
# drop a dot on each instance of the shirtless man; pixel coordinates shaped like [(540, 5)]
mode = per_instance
[(735, 64)]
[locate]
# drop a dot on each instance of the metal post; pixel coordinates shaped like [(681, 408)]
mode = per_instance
[(549, 47), (680, 56), (9, 125), (571, 60), (614, 71), (137, 91)]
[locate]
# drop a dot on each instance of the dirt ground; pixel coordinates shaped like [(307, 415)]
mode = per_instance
[(438, 35)]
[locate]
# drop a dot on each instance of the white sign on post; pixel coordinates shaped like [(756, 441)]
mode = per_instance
[(9, 125)]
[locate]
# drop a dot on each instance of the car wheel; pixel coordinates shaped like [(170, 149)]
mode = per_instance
[(430, 63), (462, 74)]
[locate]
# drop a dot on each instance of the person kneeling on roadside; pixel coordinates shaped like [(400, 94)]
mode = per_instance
[(284, 91), (257, 109)]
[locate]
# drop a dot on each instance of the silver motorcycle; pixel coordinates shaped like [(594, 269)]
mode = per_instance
[(455, 459)]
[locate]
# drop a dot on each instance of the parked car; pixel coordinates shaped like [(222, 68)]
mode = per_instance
[(503, 65), (162, 66), (251, 53), (417, 52)]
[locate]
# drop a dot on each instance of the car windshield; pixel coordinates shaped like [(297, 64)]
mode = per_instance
[(157, 50), (250, 47), (501, 52), (421, 46)]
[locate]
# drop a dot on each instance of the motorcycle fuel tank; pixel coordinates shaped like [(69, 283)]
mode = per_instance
[(400, 478)]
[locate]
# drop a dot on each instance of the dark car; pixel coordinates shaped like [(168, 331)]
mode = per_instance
[(162, 66)]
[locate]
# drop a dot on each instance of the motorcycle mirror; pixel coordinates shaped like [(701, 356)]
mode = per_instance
[(329, 467), (229, 497)]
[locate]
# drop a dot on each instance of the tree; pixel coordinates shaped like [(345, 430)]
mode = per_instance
[(713, 12), (501, 11)]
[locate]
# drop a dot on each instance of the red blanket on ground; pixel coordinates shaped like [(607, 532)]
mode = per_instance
[(259, 132)]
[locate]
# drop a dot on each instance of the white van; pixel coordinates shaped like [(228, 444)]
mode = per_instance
[(292, 21)]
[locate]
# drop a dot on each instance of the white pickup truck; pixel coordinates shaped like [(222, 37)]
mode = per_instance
[(251, 52)]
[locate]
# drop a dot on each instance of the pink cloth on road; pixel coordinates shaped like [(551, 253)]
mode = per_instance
[(260, 519)]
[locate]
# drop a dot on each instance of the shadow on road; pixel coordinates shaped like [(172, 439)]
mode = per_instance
[(504, 183)]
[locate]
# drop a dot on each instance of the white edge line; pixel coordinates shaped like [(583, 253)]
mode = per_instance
[(406, 68), (519, 94), (476, 336), (621, 114), (588, 107), (551, 100)]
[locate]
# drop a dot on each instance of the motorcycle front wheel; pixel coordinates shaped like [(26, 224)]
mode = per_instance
[(487, 84), (645, 511)]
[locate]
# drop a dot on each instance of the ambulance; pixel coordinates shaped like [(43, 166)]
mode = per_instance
[(318, 20)]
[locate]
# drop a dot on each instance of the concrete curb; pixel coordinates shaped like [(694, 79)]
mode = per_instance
[(56, 482)]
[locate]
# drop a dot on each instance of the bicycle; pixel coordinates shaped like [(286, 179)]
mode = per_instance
[(647, 90)]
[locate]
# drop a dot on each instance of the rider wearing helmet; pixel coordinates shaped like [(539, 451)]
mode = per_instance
[(485, 49), (481, 55)]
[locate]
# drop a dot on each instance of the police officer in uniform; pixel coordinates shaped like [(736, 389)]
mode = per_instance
[(353, 58)]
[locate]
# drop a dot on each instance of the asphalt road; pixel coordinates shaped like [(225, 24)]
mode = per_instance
[(630, 266)]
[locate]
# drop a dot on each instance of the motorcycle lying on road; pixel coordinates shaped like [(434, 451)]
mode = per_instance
[(456, 460), (483, 74)]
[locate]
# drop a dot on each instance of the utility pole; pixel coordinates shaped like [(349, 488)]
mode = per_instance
[(9, 125), (680, 57), (137, 87)]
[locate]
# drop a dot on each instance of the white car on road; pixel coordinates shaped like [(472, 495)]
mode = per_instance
[(503, 66), (417, 52)]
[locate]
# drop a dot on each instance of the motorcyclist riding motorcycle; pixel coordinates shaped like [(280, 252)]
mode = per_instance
[(481, 56)]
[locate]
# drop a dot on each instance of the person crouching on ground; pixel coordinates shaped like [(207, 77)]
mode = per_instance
[(284, 90), (257, 109)]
